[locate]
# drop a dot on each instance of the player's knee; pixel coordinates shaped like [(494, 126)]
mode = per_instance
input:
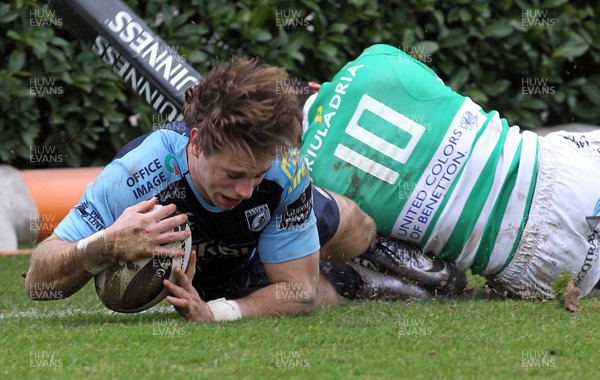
[(355, 233), (370, 228), (361, 225)]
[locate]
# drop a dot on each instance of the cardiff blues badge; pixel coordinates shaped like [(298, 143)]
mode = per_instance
[(258, 217)]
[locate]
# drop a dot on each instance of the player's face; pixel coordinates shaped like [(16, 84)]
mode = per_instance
[(228, 177)]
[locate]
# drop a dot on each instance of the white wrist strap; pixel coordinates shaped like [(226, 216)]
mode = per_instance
[(224, 310), (82, 245)]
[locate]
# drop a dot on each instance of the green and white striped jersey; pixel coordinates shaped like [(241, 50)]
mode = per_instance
[(429, 165)]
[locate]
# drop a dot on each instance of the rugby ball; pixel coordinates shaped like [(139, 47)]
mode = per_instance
[(134, 286)]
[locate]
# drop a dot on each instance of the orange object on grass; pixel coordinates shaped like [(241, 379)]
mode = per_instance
[(55, 192)]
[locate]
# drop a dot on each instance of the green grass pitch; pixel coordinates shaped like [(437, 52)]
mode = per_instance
[(468, 338)]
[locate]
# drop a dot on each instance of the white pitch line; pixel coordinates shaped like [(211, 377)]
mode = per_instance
[(34, 313), (16, 252)]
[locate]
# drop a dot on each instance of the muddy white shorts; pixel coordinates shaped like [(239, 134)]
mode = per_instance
[(562, 233)]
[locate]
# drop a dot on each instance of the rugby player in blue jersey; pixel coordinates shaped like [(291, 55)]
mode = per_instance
[(235, 177)]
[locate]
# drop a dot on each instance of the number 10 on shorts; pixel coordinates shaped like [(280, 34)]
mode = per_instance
[(393, 118)]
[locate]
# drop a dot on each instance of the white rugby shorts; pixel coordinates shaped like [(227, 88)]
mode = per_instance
[(562, 233)]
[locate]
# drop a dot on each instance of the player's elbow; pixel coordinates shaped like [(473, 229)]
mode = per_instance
[(30, 288), (298, 300), (39, 290), (320, 299), (307, 300), (28, 283), (311, 298), (31, 281), (43, 291), (39, 284)]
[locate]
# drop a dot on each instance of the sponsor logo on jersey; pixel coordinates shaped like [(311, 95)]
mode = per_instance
[(171, 164), (90, 216), (428, 193), (258, 217), (146, 180), (82, 209), (315, 142), (209, 250), (294, 167), (469, 120), (297, 212), (594, 244), (319, 116)]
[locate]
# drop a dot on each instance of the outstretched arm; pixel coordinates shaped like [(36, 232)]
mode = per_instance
[(65, 266)]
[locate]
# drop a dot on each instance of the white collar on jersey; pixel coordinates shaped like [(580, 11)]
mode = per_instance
[(307, 105)]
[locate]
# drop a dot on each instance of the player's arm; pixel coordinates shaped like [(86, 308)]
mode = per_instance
[(296, 288), (66, 266), (58, 265)]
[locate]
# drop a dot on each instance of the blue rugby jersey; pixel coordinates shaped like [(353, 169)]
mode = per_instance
[(277, 221)]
